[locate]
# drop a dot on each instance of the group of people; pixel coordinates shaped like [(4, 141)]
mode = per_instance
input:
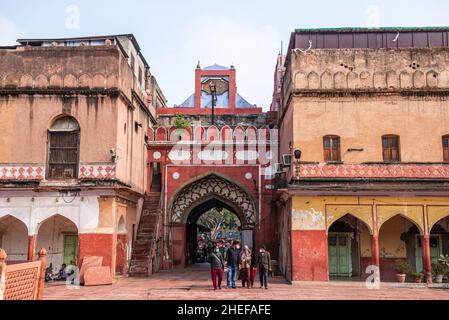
[(239, 262), (63, 273)]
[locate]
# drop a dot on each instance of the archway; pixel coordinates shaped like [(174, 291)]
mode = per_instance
[(121, 247), (212, 221), (439, 239), (59, 236), (198, 197), (399, 239), (349, 248), (14, 238)]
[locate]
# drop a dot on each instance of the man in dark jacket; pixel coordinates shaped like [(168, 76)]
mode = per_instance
[(233, 261), (263, 262), (216, 267)]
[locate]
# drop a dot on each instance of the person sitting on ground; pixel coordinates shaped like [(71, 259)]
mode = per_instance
[(62, 274), (49, 273)]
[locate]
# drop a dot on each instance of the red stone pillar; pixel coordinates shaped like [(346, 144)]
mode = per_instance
[(375, 250), (179, 245), (375, 240), (31, 247), (427, 260)]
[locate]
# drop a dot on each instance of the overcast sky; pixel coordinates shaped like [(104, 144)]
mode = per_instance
[(174, 35)]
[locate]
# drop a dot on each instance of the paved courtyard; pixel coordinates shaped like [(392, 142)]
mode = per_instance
[(194, 284)]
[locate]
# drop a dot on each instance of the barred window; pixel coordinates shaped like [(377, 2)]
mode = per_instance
[(63, 149)]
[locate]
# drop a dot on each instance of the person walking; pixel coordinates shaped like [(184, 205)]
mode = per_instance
[(232, 260), (252, 270), (245, 266), (216, 267), (263, 263)]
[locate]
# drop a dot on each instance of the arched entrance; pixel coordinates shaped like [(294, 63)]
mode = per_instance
[(14, 238), (210, 221), (349, 248), (200, 196), (59, 236), (399, 239)]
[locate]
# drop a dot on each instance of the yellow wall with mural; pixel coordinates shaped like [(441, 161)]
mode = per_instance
[(318, 213)]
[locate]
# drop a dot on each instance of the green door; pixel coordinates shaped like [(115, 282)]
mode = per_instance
[(435, 251), (70, 248), (340, 255)]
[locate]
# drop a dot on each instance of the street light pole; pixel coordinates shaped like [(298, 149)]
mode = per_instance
[(213, 92)]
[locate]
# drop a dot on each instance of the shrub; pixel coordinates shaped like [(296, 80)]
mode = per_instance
[(401, 267)]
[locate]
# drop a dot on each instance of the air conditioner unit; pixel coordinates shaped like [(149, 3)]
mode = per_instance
[(287, 160)]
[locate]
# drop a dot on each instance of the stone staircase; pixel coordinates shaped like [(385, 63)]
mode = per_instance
[(142, 254)]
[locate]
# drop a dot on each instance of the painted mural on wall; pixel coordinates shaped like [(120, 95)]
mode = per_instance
[(209, 186), (308, 219)]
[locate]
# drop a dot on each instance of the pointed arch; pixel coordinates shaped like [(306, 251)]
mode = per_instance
[(362, 213), (212, 185), (14, 237), (417, 224)]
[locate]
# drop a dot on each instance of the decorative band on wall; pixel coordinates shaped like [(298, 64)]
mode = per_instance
[(97, 171), (374, 171), (22, 172)]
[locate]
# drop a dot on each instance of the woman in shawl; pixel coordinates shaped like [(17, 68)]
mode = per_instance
[(245, 266)]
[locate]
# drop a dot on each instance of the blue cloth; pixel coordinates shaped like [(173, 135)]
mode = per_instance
[(232, 276)]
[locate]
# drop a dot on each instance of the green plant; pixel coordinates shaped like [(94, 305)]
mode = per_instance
[(438, 268), (181, 122), (444, 260), (416, 275), (401, 267)]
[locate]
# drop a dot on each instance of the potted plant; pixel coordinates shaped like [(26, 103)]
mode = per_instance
[(402, 268), (417, 276), (439, 270)]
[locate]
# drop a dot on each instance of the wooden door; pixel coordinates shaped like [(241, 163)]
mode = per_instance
[(70, 248), (340, 254)]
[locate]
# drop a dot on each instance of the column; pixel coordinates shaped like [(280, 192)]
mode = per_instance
[(31, 247), (375, 250), (427, 260)]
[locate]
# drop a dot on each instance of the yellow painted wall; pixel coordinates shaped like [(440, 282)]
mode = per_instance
[(390, 243), (317, 213)]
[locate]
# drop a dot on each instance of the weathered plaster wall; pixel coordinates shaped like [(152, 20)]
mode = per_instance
[(359, 96), (311, 217)]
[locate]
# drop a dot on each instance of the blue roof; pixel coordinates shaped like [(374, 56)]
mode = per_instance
[(189, 103), (216, 67), (240, 102)]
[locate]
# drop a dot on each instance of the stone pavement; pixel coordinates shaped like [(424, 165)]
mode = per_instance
[(194, 284)]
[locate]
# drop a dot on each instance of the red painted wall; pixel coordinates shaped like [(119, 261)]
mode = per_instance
[(121, 248), (309, 256), (97, 245)]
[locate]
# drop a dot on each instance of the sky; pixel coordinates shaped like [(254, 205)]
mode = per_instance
[(175, 34)]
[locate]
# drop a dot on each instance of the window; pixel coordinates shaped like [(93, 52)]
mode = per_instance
[(331, 147), (140, 75), (446, 148), (390, 147), (63, 149), (133, 63)]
